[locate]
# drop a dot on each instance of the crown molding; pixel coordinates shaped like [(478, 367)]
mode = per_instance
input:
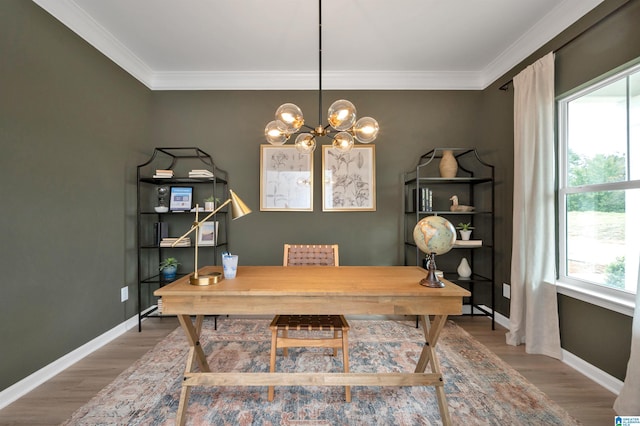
[(346, 80), (556, 21), (76, 19)]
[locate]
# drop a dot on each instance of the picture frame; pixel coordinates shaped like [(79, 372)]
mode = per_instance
[(286, 179), (181, 198), (208, 233), (349, 179)]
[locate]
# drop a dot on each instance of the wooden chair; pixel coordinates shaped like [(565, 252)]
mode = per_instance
[(310, 255)]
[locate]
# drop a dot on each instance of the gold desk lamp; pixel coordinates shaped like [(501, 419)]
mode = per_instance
[(238, 209)]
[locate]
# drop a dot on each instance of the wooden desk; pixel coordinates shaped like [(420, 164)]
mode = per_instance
[(347, 290)]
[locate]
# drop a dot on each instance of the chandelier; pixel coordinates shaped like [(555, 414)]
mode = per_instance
[(343, 125)]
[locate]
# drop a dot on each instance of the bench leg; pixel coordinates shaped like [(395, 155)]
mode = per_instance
[(272, 361), (345, 362)]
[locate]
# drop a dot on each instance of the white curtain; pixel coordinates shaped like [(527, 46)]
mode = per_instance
[(628, 401), (534, 306)]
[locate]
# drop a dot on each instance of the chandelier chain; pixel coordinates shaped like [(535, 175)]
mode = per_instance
[(319, 61)]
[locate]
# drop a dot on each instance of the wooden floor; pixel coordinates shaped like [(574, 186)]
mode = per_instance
[(55, 401)]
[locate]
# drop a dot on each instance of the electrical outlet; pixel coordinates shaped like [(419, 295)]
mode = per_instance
[(124, 294), (506, 291)]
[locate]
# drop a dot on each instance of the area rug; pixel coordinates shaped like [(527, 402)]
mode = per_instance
[(481, 389)]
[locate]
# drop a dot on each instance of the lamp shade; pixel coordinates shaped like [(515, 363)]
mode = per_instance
[(276, 132), (291, 115), (238, 207), (343, 141), (366, 130), (305, 143), (341, 115)]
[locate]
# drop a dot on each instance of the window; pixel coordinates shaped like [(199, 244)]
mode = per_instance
[(599, 186)]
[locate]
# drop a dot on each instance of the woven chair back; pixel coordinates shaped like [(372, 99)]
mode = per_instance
[(311, 254)]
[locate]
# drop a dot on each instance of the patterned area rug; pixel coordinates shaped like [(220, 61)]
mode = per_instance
[(481, 389)]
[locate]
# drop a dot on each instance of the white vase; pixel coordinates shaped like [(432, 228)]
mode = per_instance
[(209, 206), (448, 165), (465, 235), (464, 270)]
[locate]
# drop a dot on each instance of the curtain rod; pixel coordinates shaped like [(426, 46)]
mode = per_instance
[(505, 86)]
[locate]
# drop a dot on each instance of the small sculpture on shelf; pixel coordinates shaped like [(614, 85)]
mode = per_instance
[(455, 207), (464, 269), (162, 206)]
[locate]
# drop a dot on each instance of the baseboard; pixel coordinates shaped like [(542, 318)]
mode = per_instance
[(590, 371), (502, 320), (29, 383), (602, 378)]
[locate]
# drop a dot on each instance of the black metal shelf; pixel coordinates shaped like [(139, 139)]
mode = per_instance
[(157, 279), (200, 246), (475, 182), (180, 160), (477, 278), (456, 180), (182, 213), (169, 181), (446, 212)]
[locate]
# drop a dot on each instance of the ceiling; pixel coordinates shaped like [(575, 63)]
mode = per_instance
[(273, 44)]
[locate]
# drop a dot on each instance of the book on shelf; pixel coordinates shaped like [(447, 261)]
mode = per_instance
[(161, 231), (468, 243), (422, 199), (168, 242), (163, 174), (200, 173)]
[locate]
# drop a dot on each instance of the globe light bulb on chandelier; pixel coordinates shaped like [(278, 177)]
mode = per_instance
[(341, 116)]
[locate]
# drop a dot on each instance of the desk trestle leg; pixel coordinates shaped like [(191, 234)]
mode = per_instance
[(428, 357), (196, 355)]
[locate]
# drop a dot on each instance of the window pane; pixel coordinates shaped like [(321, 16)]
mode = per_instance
[(597, 136), (602, 241), (634, 126)]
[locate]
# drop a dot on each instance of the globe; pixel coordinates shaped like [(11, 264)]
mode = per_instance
[(434, 234)]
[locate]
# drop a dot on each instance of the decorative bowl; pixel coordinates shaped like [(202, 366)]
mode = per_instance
[(161, 209)]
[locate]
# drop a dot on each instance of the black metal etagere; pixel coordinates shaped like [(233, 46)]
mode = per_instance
[(474, 186), (180, 160)]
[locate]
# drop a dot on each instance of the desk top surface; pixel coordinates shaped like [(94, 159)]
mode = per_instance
[(376, 281)]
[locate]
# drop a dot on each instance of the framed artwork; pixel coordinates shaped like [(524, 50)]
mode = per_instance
[(181, 198), (208, 234), (286, 179), (349, 179)]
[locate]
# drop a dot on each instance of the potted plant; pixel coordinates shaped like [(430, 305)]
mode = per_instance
[(168, 268), (210, 203), (465, 230)]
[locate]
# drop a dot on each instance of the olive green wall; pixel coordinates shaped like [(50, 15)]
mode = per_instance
[(71, 126), (597, 335), (230, 127), (496, 138)]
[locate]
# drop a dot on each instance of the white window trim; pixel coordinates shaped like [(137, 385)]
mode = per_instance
[(602, 296), (608, 298)]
